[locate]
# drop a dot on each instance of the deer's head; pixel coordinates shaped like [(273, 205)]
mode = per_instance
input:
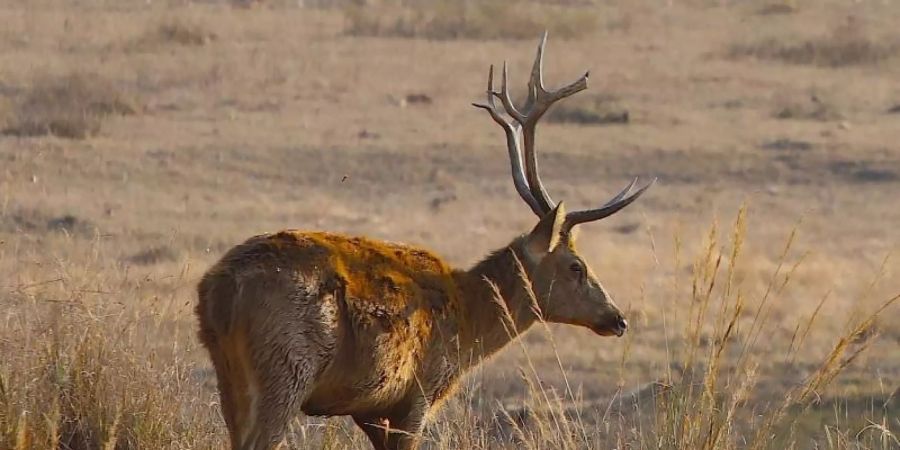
[(566, 289)]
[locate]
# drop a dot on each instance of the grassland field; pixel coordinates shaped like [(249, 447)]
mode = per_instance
[(139, 140)]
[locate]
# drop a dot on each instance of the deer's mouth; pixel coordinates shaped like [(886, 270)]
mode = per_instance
[(607, 331), (605, 328), (614, 328)]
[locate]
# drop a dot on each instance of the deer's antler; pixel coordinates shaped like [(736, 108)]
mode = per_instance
[(528, 180)]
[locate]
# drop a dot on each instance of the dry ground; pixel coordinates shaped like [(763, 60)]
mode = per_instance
[(178, 129)]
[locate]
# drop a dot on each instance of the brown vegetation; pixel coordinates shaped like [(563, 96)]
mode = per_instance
[(590, 110), (824, 51), (287, 120), (172, 32), (807, 106), (489, 19), (846, 45), (71, 106)]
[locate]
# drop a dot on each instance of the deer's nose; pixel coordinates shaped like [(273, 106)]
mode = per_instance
[(621, 326)]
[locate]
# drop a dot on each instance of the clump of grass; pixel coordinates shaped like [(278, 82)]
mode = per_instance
[(70, 106), (73, 399), (712, 405), (154, 255), (824, 51), (173, 31), (35, 221), (589, 110), (6, 110), (184, 33), (80, 371), (487, 19), (812, 106), (777, 8), (847, 45)]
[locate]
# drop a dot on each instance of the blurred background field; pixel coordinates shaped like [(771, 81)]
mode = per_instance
[(139, 140)]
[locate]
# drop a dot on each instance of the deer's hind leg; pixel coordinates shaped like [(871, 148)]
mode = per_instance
[(261, 395), (231, 380), (289, 349), (239, 389)]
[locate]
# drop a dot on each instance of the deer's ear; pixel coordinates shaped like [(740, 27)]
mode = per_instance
[(546, 235)]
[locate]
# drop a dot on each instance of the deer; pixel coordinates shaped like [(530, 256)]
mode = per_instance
[(334, 325)]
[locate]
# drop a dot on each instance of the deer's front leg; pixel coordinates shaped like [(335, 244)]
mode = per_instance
[(375, 429), (400, 431), (406, 428)]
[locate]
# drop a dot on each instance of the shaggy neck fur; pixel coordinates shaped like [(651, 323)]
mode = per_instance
[(486, 327)]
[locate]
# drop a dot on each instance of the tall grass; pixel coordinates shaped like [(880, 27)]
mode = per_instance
[(711, 405), (97, 357), (90, 360)]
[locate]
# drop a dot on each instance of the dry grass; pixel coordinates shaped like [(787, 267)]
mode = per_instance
[(708, 406), (807, 106), (69, 106), (81, 372), (828, 51), (289, 120), (172, 31), (154, 255), (589, 110), (94, 364), (491, 19), (847, 45)]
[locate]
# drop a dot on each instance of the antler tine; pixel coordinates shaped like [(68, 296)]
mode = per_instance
[(539, 100), (512, 144), (621, 200), (623, 193), (506, 99), (536, 82)]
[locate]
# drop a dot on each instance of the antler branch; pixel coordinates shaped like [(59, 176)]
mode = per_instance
[(528, 180), (621, 200), (512, 143)]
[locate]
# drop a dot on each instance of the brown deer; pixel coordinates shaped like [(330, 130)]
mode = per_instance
[(331, 325)]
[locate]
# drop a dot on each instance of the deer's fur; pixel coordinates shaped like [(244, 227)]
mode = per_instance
[(329, 324)]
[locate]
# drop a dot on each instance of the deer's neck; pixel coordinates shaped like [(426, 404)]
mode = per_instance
[(496, 304)]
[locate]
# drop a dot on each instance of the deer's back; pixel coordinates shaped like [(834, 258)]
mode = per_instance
[(372, 309)]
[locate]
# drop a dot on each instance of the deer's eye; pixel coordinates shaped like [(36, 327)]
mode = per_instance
[(576, 269)]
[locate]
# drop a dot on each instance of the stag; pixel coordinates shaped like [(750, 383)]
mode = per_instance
[(329, 324)]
